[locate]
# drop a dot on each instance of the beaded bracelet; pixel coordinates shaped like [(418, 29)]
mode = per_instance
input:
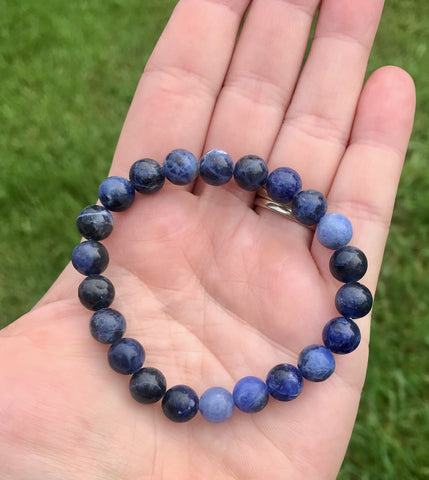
[(284, 382)]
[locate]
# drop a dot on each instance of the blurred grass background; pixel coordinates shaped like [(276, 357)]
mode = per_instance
[(68, 71)]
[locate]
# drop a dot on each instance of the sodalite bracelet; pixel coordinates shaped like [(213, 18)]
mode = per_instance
[(284, 382)]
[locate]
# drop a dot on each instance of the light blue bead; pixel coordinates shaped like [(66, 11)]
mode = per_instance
[(250, 394), (316, 363), (216, 404), (334, 231)]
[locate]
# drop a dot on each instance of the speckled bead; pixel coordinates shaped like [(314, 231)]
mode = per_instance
[(334, 231), (180, 403), (90, 258), (96, 292), (107, 325), (147, 176), (216, 167), (180, 167), (95, 222), (250, 173), (126, 356), (353, 300), (283, 184), (341, 335), (116, 193), (316, 363), (348, 264), (147, 385), (284, 382), (250, 394), (309, 206), (216, 404)]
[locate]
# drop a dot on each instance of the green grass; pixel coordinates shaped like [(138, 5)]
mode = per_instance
[(68, 72)]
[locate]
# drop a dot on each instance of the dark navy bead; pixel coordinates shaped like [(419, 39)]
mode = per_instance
[(116, 193), (147, 176), (341, 335), (96, 292), (180, 167), (353, 300), (334, 231), (309, 206), (282, 184), (126, 356), (95, 222), (348, 264), (250, 173), (107, 325), (216, 167), (180, 403), (148, 385), (250, 394), (216, 404), (90, 258), (284, 382), (316, 363)]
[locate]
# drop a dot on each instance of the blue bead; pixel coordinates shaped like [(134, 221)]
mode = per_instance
[(316, 363), (309, 206), (250, 394), (116, 193), (95, 222), (353, 300), (126, 356), (334, 231), (284, 382), (341, 335), (107, 325), (216, 404), (96, 292), (180, 167), (147, 385), (90, 258), (282, 184), (180, 403), (216, 167), (250, 173), (147, 176), (348, 264)]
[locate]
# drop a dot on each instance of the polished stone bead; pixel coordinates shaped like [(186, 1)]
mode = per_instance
[(147, 176), (283, 184), (284, 382), (316, 363), (216, 404), (250, 173), (348, 264), (250, 394), (148, 385), (353, 300), (216, 167), (180, 167), (334, 231), (180, 403), (107, 325), (96, 292), (95, 222), (126, 356), (116, 193), (309, 206), (90, 258), (341, 335)]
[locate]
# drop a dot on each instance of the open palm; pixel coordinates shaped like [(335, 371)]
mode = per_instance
[(214, 289)]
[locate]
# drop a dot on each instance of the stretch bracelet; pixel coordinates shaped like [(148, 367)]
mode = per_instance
[(250, 394)]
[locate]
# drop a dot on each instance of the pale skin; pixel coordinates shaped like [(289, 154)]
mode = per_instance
[(214, 289)]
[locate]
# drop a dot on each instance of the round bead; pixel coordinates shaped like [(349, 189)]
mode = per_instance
[(147, 385), (353, 300), (216, 167), (180, 403), (334, 231), (147, 176), (316, 363), (341, 335), (216, 404), (116, 193), (250, 394), (250, 173), (95, 222), (107, 325), (348, 264), (282, 184), (180, 167), (126, 356), (96, 292), (90, 258), (309, 206), (284, 382)]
